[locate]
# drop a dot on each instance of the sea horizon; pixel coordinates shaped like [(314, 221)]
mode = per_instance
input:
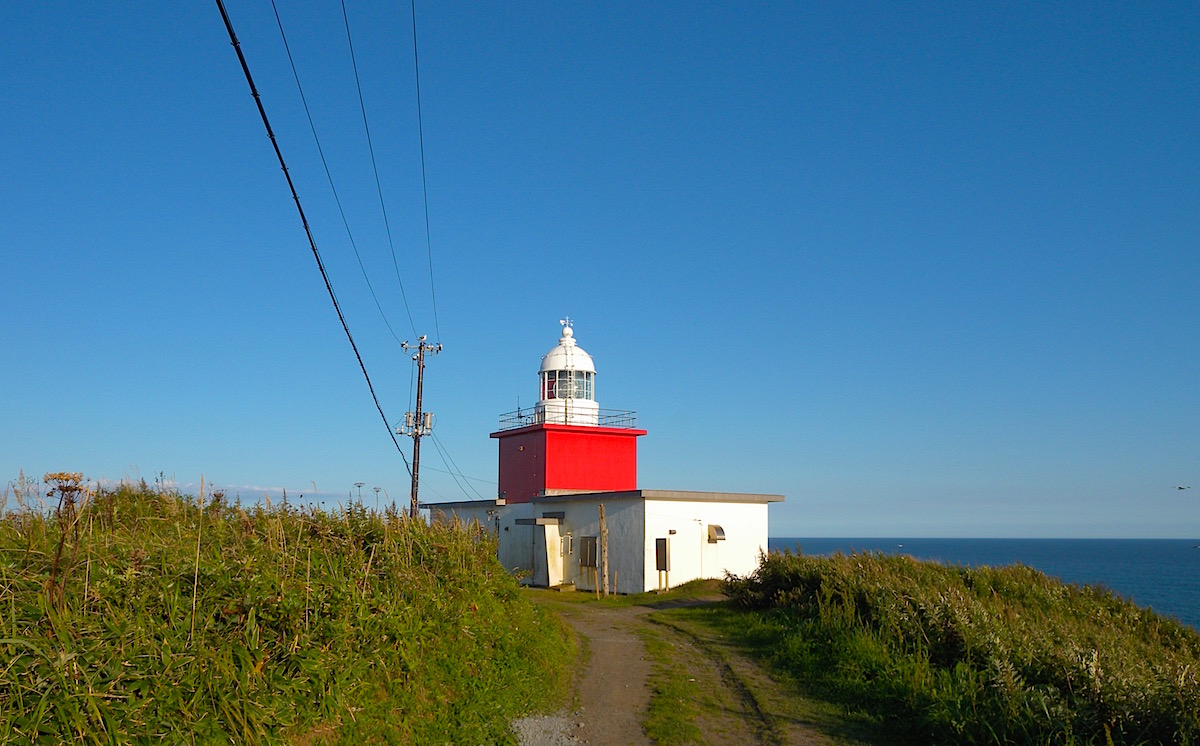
[(1160, 574), (988, 538)]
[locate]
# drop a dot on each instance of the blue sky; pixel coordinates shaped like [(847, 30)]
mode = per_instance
[(927, 270)]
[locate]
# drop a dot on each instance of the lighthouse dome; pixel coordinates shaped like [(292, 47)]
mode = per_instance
[(567, 383), (567, 355)]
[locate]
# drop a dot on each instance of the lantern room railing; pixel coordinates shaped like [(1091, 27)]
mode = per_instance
[(618, 418)]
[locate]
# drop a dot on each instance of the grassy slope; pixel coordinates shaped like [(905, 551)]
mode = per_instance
[(306, 627), (944, 654)]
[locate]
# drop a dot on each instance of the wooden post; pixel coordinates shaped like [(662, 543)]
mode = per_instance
[(603, 551)]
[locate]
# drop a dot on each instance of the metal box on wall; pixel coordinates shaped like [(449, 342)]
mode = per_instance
[(588, 551)]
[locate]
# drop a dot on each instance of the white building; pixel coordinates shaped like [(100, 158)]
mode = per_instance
[(567, 463)]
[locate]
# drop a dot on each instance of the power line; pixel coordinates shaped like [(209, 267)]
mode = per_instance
[(424, 189), (450, 464), (371, 148), (442, 453), (304, 221), (447, 460), (328, 175), (463, 476)]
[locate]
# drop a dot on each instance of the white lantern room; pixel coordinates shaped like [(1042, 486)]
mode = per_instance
[(568, 384)]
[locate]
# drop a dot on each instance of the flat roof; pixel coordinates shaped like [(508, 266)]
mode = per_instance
[(675, 495), (462, 504), (558, 496)]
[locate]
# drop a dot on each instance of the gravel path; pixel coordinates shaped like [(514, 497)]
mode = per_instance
[(611, 690), (545, 730)]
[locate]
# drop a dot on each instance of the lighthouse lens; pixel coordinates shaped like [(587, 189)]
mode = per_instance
[(568, 384), (583, 385)]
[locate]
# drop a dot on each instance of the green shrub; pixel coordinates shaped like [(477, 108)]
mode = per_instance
[(166, 619), (952, 654)]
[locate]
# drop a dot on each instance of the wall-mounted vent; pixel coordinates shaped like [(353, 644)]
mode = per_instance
[(715, 533)]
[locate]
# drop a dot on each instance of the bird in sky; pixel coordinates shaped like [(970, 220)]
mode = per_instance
[(1183, 486)]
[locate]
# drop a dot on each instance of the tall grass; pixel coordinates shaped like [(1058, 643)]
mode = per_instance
[(162, 618), (948, 654)]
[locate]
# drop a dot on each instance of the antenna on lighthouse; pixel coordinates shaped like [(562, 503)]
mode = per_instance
[(417, 423)]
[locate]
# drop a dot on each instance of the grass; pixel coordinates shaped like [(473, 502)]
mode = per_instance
[(947, 654), (126, 613), (687, 593), (675, 700), (728, 636)]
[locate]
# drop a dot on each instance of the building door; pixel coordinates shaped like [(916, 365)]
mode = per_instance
[(552, 540)]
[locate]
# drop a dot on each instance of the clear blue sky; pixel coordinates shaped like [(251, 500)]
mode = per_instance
[(926, 270)]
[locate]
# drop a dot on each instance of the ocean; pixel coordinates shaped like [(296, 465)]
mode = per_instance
[(1162, 574)]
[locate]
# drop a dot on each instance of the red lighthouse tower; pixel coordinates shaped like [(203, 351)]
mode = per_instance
[(566, 443)]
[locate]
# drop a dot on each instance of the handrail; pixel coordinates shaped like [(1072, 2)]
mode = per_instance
[(617, 418)]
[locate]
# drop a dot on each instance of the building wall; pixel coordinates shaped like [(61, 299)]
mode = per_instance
[(522, 471), (590, 458), (516, 541), (633, 526), (465, 513), (550, 554), (691, 554), (625, 519), (547, 457)]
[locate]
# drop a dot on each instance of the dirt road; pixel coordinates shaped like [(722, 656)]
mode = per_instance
[(631, 654)]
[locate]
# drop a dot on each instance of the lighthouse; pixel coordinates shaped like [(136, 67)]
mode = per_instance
[(566, 443), (569, 512)]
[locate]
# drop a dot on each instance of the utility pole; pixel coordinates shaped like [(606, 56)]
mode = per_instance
[(418, 423)]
